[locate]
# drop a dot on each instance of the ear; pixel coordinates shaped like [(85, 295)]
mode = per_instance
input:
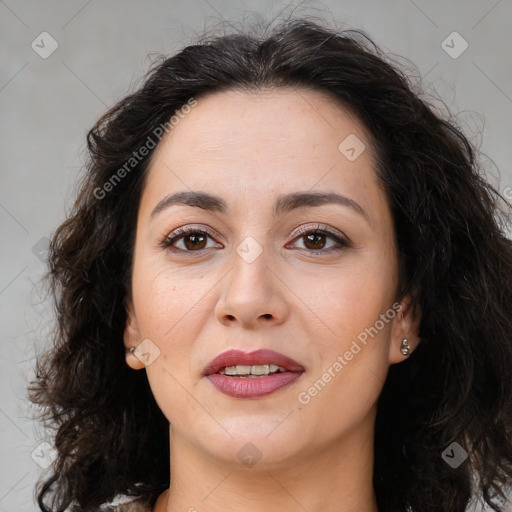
[(406, 325), (131, 336)]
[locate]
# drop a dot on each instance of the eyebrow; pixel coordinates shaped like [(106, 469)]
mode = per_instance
[(284, 203)]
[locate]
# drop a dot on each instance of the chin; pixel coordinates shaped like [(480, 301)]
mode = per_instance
[(260, 445)]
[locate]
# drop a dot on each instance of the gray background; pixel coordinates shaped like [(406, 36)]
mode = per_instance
[(48, 104)]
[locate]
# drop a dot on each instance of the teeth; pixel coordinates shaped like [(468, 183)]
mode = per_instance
[(258, 369)]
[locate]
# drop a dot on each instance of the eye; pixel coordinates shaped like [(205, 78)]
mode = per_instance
[(314, 239), (192, 239)]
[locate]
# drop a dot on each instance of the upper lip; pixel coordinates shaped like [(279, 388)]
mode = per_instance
[(262, 356)]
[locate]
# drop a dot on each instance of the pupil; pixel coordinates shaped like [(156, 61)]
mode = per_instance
[(194, 243), (318, 236)]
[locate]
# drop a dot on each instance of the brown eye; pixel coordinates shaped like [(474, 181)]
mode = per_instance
[(195, 241), (191, 239), (315, 240)]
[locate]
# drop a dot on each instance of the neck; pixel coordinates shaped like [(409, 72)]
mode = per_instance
[(337, 478)]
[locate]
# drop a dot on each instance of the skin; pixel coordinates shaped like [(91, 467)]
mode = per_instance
[(249, 148)]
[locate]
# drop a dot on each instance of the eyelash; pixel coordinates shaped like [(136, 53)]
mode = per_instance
[(181, 233)]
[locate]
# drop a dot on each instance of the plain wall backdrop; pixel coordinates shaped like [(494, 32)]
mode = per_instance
[(63, 63)]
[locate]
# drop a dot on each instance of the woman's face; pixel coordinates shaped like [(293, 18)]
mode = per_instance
[(253, 275)]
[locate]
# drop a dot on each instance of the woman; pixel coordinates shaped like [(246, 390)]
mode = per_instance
[(283, 286)]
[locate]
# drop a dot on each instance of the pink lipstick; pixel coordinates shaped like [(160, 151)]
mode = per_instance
[(252, 375)]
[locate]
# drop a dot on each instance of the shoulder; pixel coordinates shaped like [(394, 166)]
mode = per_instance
[(121, 503), (134, 505)]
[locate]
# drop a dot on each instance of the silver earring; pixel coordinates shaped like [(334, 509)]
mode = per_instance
[(405, 348)]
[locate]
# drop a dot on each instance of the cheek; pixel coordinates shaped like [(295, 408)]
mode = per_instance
[(166, 301), (353, 354), (352, 299), (168, 309)]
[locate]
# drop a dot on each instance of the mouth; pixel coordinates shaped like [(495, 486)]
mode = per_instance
[(255, 364), (251, 372), (252, 375)]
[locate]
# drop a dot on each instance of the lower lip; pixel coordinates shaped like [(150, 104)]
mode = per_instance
[(240, 387)]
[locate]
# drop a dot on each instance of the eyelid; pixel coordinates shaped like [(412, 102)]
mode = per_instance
[(321, 227), (183, 231)]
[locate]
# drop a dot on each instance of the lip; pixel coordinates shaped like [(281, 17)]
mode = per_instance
[(245, 387), (263, 356)]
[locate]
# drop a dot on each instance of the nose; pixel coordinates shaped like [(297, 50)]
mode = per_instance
[(252, 293)]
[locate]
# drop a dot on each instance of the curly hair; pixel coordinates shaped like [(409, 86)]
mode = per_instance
[(110, 435)]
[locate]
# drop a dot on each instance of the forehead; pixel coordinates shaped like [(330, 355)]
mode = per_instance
[(265, 142), (281, 118)]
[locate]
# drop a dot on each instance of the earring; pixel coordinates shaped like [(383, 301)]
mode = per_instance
[(405, 348)]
